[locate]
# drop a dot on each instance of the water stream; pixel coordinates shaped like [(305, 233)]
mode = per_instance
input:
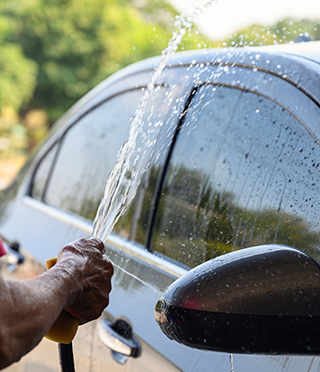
[(120, 189), (123, 181)]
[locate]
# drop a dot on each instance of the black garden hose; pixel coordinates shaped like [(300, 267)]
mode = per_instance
[(66, 357)]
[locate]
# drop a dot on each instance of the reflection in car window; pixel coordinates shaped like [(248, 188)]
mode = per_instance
[(244, 172), (42, 172), (160, 118), (88, 152)]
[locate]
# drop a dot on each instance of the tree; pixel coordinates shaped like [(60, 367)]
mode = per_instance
[(17, 77), (78, 43), (17, 80), (284, 31)]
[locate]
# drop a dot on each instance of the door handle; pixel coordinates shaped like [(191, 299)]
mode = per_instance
[(118, 336)]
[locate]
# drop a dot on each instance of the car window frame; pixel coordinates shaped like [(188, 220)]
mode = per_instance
[(60, 139), (312, 130), (189, 78)]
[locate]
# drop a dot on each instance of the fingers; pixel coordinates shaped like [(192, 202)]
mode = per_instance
[(92, 272), (89, 310), (92, 302), (82, 247), (98, 244)]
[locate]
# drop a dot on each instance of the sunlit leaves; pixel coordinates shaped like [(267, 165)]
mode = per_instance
[(17, 77), (284, 31)]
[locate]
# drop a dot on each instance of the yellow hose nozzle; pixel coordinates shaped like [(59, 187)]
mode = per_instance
[(65, 327)]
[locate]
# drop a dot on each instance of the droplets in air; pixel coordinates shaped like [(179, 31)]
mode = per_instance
[(119, 191)]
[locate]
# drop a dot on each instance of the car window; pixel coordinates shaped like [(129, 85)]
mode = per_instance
[(160, 120), (88, 151), (42, 173), (243, 172), (143, 204)]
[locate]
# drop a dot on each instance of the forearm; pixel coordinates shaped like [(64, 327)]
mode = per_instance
[(80, 281), (28, 309)]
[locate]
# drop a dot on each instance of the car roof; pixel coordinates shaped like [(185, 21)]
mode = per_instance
[(307, 51), (298, 63)]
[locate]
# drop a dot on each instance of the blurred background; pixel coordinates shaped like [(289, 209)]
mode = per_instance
[(55, 51)]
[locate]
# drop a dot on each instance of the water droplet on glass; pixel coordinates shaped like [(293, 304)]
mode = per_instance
[(120, 190), (231, 362)]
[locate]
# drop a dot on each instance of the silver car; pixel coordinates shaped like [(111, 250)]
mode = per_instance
[(235, 164)]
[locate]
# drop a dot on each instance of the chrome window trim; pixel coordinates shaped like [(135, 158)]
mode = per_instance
[(134, 250), (113, 239), (57, 214)]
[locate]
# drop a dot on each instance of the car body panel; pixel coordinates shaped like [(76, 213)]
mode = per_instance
[(283, 76)]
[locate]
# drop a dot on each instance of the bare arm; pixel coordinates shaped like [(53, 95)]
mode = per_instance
[(80, 282)]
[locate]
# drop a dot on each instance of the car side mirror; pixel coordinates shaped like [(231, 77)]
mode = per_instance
[(263, 300)]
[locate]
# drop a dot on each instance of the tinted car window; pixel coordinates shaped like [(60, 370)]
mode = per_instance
[(243, 172), (41, 175), (88, 152), (159, 123)]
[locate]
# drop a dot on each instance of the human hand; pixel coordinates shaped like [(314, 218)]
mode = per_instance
[(91, 278)]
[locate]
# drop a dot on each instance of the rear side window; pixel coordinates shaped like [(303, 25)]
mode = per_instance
[(42, 173), (243, 172), (87, 153)]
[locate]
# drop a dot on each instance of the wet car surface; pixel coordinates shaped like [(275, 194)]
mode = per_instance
[(235, 165)]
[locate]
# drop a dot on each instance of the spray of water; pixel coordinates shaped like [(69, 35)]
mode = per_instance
[(120, 187), (123, 180)]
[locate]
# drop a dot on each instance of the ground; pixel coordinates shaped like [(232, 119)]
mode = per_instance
[(9, 168)]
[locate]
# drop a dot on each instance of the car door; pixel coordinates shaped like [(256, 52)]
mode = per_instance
[(56, 197), (242, 170), (183, 213), (62, 196)]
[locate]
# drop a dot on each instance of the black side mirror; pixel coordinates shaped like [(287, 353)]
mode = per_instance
[(263, 300)]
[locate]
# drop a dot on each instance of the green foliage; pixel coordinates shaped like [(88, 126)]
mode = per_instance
[(284, 31), (17, 77), (54, 51), (78, 43), (13, 134)]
